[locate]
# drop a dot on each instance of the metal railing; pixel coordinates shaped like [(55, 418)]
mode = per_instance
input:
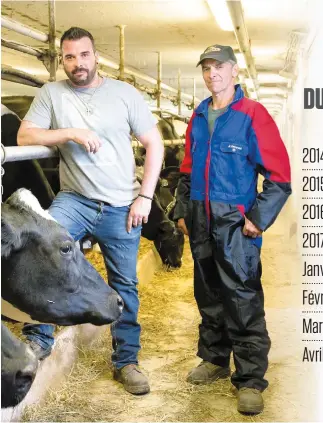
[(31, 152), (49, 57)]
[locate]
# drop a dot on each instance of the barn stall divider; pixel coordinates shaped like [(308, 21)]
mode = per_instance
[(49, 58)]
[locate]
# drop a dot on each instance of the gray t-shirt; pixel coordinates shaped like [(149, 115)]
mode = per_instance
[(212, 117), (118, 109)]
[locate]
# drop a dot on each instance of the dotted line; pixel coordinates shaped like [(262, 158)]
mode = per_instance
[(312, 226), (312, 198), (312, 340), (312, 283), (312, 255), (312, 169), (312, 311)]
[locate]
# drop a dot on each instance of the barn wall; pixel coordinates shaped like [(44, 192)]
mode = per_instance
[(311, 133), (303, 128)]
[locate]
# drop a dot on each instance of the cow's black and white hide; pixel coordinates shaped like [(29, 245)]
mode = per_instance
[(167, 129), (44, 275), (18, 369), (168, 240), (27, 173)]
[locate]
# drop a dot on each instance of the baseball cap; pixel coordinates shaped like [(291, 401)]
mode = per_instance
[(218, 52)]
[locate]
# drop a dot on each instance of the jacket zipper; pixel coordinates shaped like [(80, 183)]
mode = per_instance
[(210, 147)]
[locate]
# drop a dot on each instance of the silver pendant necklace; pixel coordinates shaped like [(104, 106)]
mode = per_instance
[(88, 108)]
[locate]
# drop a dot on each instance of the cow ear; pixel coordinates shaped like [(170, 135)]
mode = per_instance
[(164, 173), (166, 226), (11, 236)]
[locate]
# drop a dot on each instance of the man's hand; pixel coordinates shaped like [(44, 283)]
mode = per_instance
[(182, 226), (89, 139), (250, 229), (138, 213)]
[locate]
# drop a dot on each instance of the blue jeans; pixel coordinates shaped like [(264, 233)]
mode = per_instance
[(107, 224)]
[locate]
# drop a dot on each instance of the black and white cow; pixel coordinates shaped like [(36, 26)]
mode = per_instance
[(18, 369), (18, 103), (44, 275), (27, 173), (174, 154), (168, 240)]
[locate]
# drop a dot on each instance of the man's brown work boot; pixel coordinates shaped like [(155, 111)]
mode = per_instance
[(133, 380), (206, 373), (250, 401)]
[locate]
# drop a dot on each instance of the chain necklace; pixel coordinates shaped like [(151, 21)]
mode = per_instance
[(88, 108)]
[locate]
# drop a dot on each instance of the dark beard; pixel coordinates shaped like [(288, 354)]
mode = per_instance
[(82, 82)]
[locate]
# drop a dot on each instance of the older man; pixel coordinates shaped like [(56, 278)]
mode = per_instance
[(230, 140), (90, 119)]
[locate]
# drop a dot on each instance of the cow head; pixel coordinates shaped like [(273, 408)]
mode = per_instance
[(18, 369), (172, 175), (170, 244), (44, 274)]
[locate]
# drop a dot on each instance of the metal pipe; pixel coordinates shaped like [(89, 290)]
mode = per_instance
[(51, 41), (21, 47), (179, 97), (159, 77), (180, 117), (7, 71), (29, 152), (121, 47), (243, 40), (166, 142), (17, 80), (37, 35), (23, 29)]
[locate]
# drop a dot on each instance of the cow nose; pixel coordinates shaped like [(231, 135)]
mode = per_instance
[(25, 377), (120, 303)]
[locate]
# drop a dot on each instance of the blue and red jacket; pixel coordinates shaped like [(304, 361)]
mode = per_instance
[(224, 167)]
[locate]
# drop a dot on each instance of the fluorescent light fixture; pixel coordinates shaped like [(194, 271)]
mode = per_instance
[(221, 14)]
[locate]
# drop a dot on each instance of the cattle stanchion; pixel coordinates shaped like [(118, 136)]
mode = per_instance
[(179, 94), (42, 37), (159, 76), (52, 64), (121, 47), (14, 75), (192, 105), (21, 47)]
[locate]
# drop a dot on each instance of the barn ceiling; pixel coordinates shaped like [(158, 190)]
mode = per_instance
[(179, 29)]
